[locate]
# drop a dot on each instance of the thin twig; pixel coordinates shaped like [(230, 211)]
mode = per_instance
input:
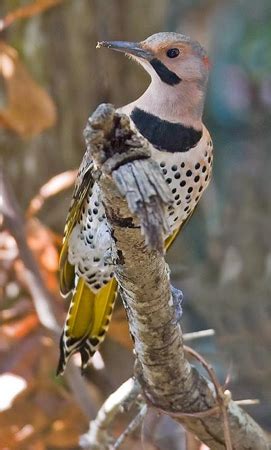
[(27, 11), (248, 402), (220, 394), (98, 437), (133, 425), (198, 334), (13, 221)]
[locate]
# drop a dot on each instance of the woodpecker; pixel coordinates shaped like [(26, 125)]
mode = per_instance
[(169, 115)]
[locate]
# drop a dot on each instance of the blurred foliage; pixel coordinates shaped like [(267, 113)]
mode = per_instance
[(28, 110), (51, 78)]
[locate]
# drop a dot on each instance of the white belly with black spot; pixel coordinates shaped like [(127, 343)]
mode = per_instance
[(187, 175)]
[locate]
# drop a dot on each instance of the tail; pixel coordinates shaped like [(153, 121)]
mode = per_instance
[(87, 322), (88, 319)]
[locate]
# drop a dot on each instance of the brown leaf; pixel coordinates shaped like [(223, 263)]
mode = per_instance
[(22, 421), (22, 327), (29, 108), (43, 411), (42, 242), (52, 187), (64, 432), (26, 11), (15, 311)]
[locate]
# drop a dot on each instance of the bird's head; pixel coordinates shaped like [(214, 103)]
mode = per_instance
[(171, 57)]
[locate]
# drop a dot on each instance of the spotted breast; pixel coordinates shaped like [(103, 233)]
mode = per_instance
[(185, 156)]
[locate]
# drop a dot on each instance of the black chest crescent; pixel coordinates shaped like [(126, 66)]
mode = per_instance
[(163, 135)]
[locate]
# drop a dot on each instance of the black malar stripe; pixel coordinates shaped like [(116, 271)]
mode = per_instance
[(166, 75)]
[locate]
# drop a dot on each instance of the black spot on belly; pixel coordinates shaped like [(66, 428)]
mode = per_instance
[(164, 135)]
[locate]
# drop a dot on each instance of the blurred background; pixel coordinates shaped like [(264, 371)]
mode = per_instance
[(51, 80)]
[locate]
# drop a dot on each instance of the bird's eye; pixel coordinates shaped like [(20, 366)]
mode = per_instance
[(173, 52)]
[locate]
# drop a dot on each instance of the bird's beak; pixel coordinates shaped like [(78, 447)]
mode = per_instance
[(131, 48)]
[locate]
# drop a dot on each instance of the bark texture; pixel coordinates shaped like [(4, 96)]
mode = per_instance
[(135, 196)]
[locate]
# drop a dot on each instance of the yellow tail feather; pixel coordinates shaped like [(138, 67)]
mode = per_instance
[(104, 301), (89, 311), (81, 312), (87, 322), (88, 319)]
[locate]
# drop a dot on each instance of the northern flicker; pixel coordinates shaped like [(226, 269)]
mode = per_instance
[(169, 115)]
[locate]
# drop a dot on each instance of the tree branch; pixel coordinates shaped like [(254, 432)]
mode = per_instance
[(26, 11), (135, 198), (98, 437)]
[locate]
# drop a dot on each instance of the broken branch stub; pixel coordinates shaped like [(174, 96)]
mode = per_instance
[(119, 151), (168, 380)]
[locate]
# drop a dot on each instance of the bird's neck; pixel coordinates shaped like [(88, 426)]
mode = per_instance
[(181, 104)]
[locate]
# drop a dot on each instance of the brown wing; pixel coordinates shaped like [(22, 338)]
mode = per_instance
[(83, 185)]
